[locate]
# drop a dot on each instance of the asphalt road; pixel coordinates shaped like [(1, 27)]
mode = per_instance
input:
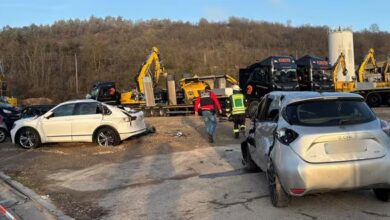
[(167, 176)]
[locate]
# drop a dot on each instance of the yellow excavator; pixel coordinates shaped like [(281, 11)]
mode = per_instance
[(153, 68), (107, 92), (341, 86), (368, 59), (192, 85)]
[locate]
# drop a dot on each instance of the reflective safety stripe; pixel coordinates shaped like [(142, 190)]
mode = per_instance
[(236, 130), (238, 106)]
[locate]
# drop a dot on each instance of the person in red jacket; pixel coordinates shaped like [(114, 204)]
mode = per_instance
[(205, 105)]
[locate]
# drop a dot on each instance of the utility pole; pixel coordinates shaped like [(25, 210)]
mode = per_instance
[(77, 76)]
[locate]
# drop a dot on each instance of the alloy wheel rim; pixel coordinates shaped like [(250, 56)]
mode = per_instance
[(105, 138), (27, 139)]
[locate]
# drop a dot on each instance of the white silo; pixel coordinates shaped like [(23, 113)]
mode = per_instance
[(341, 40)]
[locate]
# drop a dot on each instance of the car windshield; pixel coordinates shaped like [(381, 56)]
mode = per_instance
[(284, 75), (322, 75), (5, 105), (328, 113)]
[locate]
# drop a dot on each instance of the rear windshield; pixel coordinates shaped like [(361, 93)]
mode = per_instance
[(328, 113)]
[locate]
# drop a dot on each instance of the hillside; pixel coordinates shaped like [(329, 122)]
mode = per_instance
[(39, 61)]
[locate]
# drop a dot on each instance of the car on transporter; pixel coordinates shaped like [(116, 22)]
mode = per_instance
[(79, 121), (310, 142)]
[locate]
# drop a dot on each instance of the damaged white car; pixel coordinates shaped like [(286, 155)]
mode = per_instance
[(79, 121)]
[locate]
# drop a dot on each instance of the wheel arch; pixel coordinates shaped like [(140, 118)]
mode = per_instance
[(100, 127), (26, 126)]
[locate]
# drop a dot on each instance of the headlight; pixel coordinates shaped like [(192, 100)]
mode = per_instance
[(7, 111)]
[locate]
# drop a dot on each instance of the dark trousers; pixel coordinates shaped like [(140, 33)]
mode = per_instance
[(239, 122)]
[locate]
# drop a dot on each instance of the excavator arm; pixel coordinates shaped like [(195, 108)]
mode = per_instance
[(231, 79), (370, 57), (145, 70), (339, 63)]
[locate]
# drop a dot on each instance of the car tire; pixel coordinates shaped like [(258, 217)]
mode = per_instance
[(3, 135), (374, 100), (247, 161), (382, 194), (279, 197), (28, 138), (107, 137)]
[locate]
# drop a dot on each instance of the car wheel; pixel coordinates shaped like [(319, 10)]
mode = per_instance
[(107, 137), (28, 138), (382, 194), (247, 161), (3, 135), (279, 198)]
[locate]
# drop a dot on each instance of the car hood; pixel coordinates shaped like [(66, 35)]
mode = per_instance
[(26, 120)]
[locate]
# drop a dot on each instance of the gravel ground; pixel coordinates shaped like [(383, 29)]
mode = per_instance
[(166, 176), (32, 167)]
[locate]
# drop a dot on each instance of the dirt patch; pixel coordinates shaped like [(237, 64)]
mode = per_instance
[(32, 167)]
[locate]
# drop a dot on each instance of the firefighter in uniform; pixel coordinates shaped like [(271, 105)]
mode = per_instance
[(205, 105), (237, 101)]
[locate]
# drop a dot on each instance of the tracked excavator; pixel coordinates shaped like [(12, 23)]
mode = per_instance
[(341, 86)]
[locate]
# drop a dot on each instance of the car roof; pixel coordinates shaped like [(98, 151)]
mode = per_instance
[(291, 97), (79, 101)]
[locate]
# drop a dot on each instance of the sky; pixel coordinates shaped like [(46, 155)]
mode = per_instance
[(333, 13)]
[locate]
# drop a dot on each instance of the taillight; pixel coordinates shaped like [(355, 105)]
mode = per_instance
[(385, 127), (286, 136), (297, 191)]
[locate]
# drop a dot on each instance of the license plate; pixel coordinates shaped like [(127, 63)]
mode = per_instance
[(345, 147)]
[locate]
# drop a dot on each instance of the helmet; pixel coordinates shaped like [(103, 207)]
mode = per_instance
[(236, 88)]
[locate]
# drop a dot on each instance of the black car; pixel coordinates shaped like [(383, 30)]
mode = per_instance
[(9, 114), (35, 110)]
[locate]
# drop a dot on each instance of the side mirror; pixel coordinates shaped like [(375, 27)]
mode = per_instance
[(48, 115)]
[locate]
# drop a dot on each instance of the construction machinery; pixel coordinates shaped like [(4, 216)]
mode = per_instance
[(221, 85), (365, 74), (106, 91), (342, 86), (368, 82), (275, 73), (192, 85), (176, 99), (314, 74), (4, 92)]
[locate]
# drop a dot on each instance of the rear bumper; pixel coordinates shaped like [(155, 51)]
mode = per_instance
[(129, 134), (295, 173)]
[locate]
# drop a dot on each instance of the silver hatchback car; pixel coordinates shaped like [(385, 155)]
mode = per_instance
[(310, 142)]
